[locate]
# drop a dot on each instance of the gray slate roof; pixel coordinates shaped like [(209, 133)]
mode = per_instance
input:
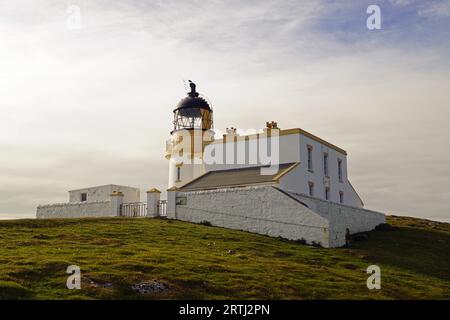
[(235, 178)]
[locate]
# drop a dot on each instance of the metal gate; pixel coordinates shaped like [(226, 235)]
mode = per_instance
[(133, 210), (162, 208)]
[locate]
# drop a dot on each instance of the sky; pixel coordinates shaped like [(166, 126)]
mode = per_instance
[(87, 89)]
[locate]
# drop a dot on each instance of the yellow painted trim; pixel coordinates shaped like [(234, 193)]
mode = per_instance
[(313, 137), (153, 190), (192, 135), (179, 165), (285, 171), (234, 186), (288, 132), (116, 194), (173, 189)]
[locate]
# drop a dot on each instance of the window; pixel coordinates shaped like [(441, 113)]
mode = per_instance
[(311, 188), (327, 193), (340, 170), (181, 201), (83, 197), (325, 164), (310, 167), (341, 196), (178, 173)]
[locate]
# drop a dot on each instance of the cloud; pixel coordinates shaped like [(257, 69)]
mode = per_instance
[(94, 106), (401, 2), (436, 9)]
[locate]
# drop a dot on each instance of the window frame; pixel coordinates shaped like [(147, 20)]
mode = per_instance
[(326, 169), (309, 149), (327, 193), (178, 173), (340, 175)]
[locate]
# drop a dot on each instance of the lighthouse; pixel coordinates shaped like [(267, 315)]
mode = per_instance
[(192, 131)]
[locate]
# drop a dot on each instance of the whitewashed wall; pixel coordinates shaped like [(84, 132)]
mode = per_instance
[(267, 210), (77, 210), (343, 217), (292, 148), (289, 151), (298, 181), (102, 193), (263, 210)]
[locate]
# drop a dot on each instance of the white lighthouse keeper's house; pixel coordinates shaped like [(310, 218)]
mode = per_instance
[(308, 197)]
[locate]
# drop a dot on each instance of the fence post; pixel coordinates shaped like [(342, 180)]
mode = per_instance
[(116, 202), (171, 203), (153, 196)]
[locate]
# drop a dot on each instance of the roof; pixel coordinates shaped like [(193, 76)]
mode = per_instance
[(285, 132), (103, 186), (193, 103), (237, 177), (193, 100), (313, 137)]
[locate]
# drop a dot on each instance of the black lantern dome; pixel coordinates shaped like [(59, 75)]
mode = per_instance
[(193, 112)]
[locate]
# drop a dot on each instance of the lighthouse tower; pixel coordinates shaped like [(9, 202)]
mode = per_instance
[(192, 131)]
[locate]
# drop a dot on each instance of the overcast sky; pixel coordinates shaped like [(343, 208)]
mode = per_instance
[(92, 106)]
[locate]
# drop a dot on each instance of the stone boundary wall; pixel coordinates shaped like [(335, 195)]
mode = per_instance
[(342, 217), (275, 212), (76, 210), (263, 210)]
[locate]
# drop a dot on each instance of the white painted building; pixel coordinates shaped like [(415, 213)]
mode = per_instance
[(322, 169), (101, 201), (102, 193), (279, 182), (225, 180)]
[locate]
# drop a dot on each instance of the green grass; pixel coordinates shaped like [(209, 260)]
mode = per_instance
[(195, 261)]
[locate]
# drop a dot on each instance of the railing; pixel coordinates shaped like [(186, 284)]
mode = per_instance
[(162, 208), (135, 209), (139, 209)]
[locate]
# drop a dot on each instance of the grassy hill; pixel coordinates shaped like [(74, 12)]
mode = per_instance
[(201, 262)]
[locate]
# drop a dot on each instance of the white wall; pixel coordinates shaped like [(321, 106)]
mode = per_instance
[(191, 143), (76, 210), (343, 217), (298, 180), (102, 193), (317, 176), (292, 148), (267, 210), (263, 210), (289, 151), (187, 172)]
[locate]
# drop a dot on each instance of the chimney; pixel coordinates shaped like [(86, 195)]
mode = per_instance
[(270, 125), (230, 132)]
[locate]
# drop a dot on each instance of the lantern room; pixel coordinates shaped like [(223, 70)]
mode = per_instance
[(193, 112)]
